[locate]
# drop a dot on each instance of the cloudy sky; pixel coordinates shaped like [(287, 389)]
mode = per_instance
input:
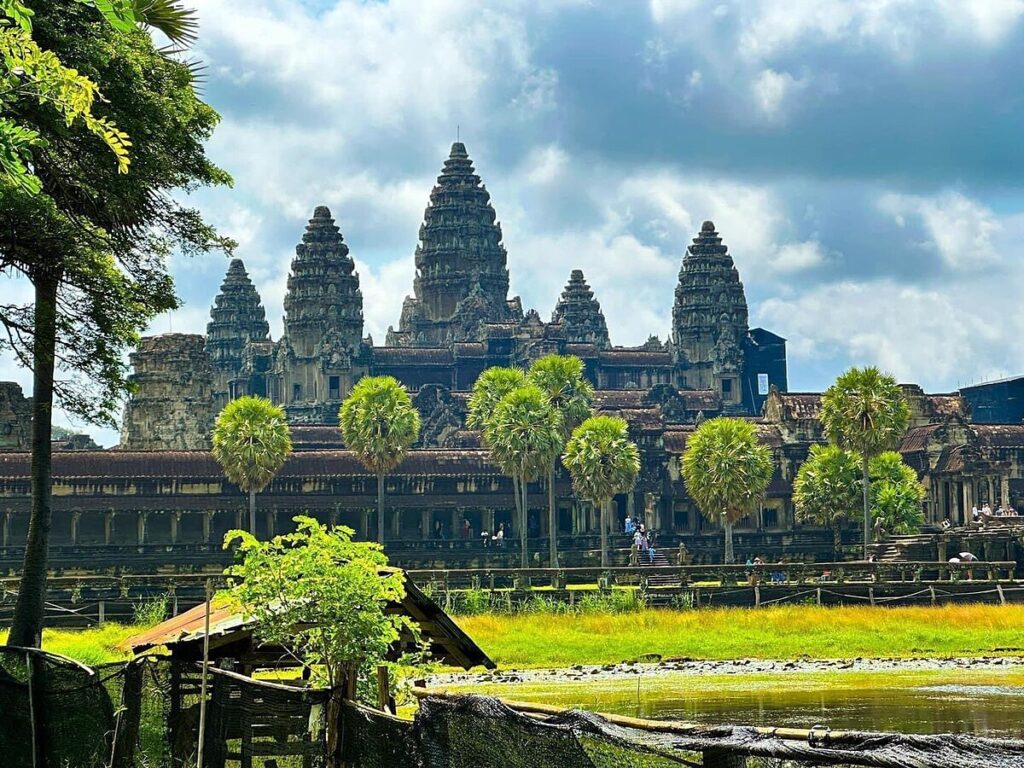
[(862, 159)]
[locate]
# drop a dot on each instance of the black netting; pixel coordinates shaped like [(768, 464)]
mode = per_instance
[(145, 714), (53, 711)]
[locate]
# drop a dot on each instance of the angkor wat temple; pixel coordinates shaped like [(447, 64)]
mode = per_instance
[(161, 495)]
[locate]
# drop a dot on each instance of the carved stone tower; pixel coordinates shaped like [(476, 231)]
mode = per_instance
[(236, 318), (580, 314), (172, 408), (709, 319), (323, 324), (461, 274)]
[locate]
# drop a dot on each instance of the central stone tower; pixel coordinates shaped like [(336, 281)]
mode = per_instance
[(461, 273), (319, 354), (709, 319)]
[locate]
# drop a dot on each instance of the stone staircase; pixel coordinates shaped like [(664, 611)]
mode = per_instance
[(659, 560), (902, 548)]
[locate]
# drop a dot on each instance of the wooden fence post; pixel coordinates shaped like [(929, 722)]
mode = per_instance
[(383, 689)]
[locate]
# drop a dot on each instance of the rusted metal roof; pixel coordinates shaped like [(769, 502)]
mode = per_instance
[(184, 634)]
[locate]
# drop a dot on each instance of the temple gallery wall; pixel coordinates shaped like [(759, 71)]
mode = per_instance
[(160, 485)]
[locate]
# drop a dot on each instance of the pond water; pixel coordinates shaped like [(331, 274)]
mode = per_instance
[(990, 706)]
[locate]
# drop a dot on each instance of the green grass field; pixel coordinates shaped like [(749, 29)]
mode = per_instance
[(785, 632)]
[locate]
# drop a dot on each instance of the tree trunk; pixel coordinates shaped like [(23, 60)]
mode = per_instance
[(380, 509), (867, 505), (552, 520), (730, 558), (605, 514), (837, 540), (27, 624), (252, 511), (524, 517)]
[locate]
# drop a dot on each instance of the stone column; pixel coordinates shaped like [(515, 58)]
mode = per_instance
[(990, 487), (238, 520), (207, 525), (269, 518), (487, 519), (74, 526), (456, 523), (396, 523), (365, 523), (108, 528), (1004, 490), (6, 534), (631, 504), (175, 521), (140, 522)]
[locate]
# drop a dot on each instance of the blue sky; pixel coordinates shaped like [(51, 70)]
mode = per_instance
[(863, 160)]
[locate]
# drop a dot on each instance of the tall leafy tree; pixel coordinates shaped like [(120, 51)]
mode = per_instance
[(30, 72), (524, 434), (488, 390), (93, 241), (251, 442), (896, 495), (603, 462), (864, 411), (726, 471), (827, 490), (567, 389), (380, 424)]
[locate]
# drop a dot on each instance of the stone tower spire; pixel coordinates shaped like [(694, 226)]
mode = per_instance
[(236, 318), (461, 274), (323, 297), (709, 318), (580, 313)]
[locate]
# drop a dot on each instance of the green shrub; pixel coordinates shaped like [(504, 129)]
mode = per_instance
[(151, 611)]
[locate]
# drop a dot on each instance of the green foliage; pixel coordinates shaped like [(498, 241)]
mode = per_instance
[(524, 433), (864, 411), (601, 459), (896, 495), (827, 489), (488, 390), (251, 442), (102, 236), (321, 594), (379, 422), (148, 613), (567, 389), (726, 471)]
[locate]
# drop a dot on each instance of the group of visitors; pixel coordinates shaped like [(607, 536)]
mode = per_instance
[(643, 540), (497, 539), (775, 577), (979, 515)]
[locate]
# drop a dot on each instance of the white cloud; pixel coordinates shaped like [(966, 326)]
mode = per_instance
[(796, 257), (939, 338), (772, 90), (963, 231)]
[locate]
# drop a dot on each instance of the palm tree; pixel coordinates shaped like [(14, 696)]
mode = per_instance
[(896, 495), (524, 434), (567, 389), (827, 490), (726, 471), (490, 386), (251, 442), (603, 462), (865, 412), (379, 423)]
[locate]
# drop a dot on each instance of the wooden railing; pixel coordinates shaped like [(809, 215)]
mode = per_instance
[(676, 577)]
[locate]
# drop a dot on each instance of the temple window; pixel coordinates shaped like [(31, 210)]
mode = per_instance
[(296, 392), (334, 388), (727, 390)]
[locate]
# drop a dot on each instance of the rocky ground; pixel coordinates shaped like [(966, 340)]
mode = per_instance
[(654, 666)]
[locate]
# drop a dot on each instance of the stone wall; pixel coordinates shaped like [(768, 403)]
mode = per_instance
[(15, 418), (172, 408)]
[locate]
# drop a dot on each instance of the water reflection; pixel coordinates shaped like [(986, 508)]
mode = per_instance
[(983, 710)]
